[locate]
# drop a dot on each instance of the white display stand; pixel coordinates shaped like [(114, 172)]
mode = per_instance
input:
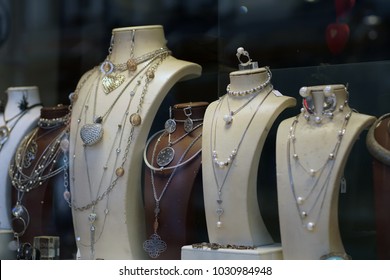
[(307, 231), (254, 113), (120, 226)]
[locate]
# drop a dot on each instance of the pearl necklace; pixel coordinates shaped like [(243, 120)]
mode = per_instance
[(320, 183), (223, 164)]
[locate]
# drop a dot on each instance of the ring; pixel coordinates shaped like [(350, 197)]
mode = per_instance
[(242, 51)]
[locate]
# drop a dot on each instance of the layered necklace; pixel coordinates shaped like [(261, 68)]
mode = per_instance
[(112, 78), (225, 165), (6, 130), (154, 246), (309, 204), (34, 164), (91, 134)]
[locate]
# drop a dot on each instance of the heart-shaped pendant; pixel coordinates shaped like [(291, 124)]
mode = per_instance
[(91, 133), (112, 82)]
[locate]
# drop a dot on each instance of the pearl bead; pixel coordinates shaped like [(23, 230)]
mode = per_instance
[(300, 200), (303, 214), (312, 172), (341, 108), (327, 90), (303, 91), (310, 226), (240, 50), (331, 156), (228, 118), (295, 156), (219, 224), (318, 119)]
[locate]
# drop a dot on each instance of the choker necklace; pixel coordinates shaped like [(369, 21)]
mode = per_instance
[(252, 90), (92, 133), (154, 246), (5, 130), (113, 157), (111, 79), (30, 171), (228, 163), (306, 203)]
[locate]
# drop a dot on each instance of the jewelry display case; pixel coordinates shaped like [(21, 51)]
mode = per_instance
[(52, 44)]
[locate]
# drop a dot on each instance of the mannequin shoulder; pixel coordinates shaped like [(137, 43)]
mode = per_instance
[(183, 69)]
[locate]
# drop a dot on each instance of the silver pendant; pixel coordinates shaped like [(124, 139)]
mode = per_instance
[(154, 246), (91, 133), (4, 134), (188, 125), (30, 154), (170, 126), (165, 156)]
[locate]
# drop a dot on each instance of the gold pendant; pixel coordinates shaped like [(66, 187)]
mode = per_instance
[(112, 82)]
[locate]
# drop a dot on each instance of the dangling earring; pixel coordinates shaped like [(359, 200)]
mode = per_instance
[(188, 123), (170, 124)]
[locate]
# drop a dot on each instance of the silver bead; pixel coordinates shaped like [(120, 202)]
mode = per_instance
[(303, 91), (318, 119)]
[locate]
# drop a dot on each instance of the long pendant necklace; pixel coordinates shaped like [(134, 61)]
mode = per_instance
[(28, 171), (228, 163), (6, 130), (135, 120), (306, 204), (154, 246)]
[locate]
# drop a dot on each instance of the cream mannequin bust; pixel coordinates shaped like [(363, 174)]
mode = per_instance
[(20, 115), (312, 150), (233, 217), (106, 176)]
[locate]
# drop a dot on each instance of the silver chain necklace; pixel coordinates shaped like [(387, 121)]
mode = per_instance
[(223, 164), (154, 246), (118, 172), (305, 203)]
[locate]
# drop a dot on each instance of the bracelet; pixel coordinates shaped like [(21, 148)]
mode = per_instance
[(216, 246)]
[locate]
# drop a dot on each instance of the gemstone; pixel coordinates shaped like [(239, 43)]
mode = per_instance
[(17, 211)]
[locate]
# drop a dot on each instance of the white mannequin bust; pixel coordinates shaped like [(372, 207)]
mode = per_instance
[(20, 115), (254, 112), (114, 225), (312, 150)]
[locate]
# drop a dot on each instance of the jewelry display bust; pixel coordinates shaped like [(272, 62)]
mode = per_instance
[(39, 178), (235, 129), (312, 150), (173, 187), (113, 108), (20, 115), (378, 144)]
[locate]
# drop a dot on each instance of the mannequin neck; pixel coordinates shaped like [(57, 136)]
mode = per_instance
[(141, 39), (247, 80), (17, 95)]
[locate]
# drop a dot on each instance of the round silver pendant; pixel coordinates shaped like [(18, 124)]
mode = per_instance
[(188, 125), (170, 126), (165, 156), (91, 133), (4, 134)]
